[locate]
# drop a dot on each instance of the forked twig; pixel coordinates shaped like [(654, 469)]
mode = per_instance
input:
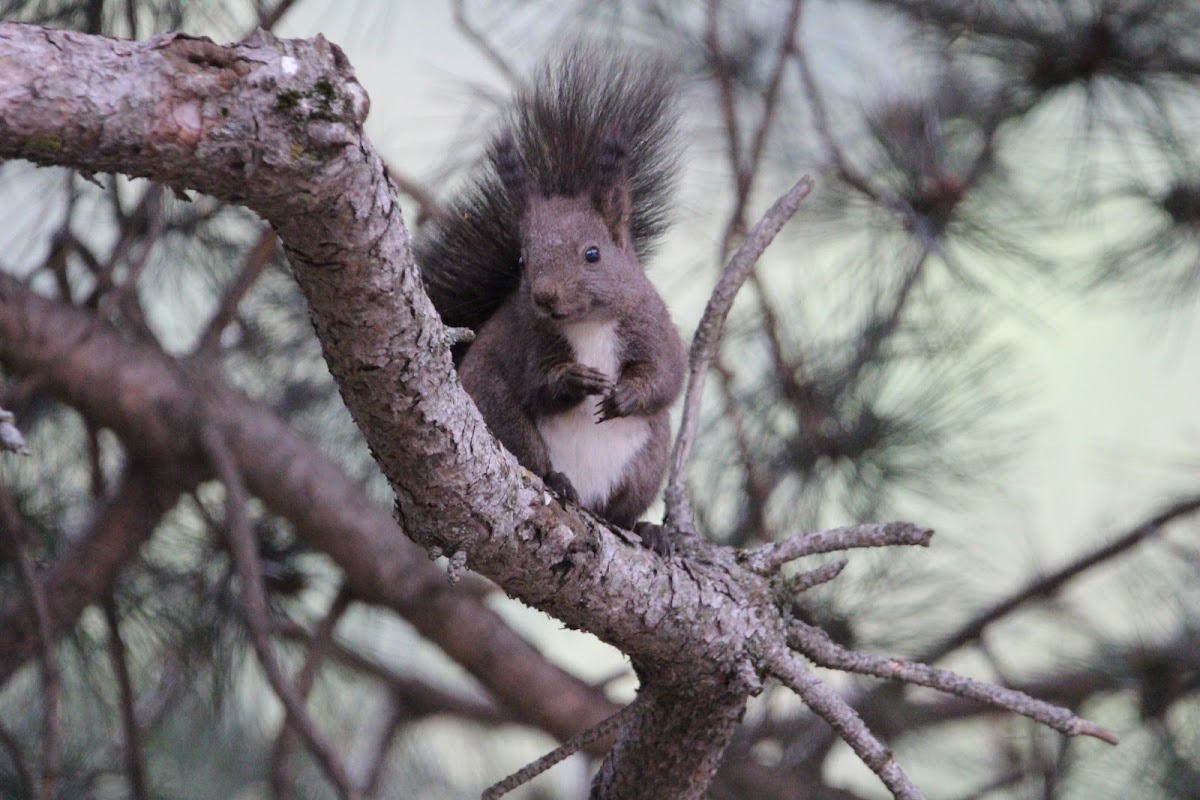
[(770, 557), (314, 656), (830, 706), (817, 645)]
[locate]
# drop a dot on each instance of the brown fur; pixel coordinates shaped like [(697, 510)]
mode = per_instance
[(580, 357)]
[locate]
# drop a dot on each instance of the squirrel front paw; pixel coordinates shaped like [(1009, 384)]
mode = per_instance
[(584, 380), (620, 402)]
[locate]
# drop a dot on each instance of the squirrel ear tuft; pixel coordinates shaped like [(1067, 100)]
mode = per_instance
[(614, 195), (511, 169)]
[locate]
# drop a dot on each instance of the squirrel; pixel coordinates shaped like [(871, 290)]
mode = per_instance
[(576, 361)]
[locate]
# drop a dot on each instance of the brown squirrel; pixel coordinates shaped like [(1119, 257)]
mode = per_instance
[(576, 361)]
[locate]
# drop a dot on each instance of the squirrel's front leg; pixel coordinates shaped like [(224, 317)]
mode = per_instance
[(567, 383), (653, 367)]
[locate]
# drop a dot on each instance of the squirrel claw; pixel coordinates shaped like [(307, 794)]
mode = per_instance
[(588, 379), (618, 403), (561, 485)]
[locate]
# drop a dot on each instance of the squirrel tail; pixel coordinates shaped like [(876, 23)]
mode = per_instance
[(564, 127)]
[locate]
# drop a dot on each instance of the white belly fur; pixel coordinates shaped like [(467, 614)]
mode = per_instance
[(593, 455)]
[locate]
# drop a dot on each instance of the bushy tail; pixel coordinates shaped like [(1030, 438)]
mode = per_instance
[(562, 126)]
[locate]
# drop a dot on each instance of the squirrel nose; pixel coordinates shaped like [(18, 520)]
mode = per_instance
[(546, 299)]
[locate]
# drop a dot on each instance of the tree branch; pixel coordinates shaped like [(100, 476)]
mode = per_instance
[(827, 704), (16, 542), (768, 558), (701, 631), (704, 345), (1048, 585), (817, 645), (131, 736), (257, 615), (85, 572), (314, 655)]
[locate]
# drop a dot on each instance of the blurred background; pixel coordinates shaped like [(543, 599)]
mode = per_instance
[(984, 319)]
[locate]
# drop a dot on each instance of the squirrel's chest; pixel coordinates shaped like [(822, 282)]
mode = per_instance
[(593, 455)]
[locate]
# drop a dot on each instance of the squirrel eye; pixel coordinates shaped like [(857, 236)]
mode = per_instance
[(521, 261), (592, 255)]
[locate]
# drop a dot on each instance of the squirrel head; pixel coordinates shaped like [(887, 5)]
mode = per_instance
[(578, 259)]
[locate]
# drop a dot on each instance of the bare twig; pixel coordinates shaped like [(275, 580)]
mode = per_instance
[(84, 572), (398, 715), (770, 557), (419, 698), (15, 539), (429, 206), (708, 333), (270, 17), (565, 750), (16, 754), (485, 47), (712, 42), (132, 738), (884, 322), (318, 646), (257, 261), (827, 704), (816, 102), (817, 645), (798, 584), (95, 460), (145, 224), (746, 170), (257, 615)]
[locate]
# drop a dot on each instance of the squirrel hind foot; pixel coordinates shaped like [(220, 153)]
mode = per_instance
[(655, 537), (561, 485)]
